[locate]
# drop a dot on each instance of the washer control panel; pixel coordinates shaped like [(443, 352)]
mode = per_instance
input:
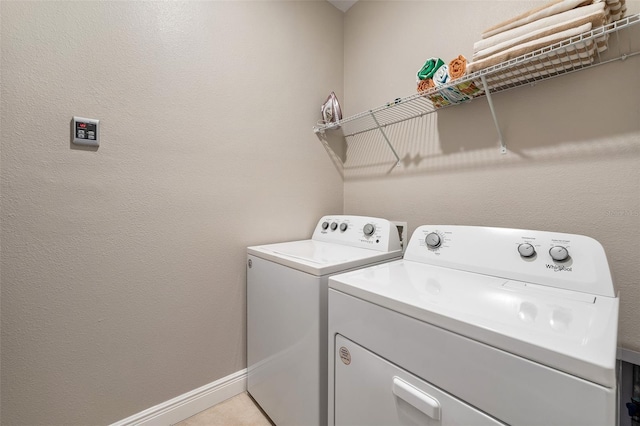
[(358, 231), (567, 261)]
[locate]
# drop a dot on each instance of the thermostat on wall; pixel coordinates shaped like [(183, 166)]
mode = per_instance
[(85, 131)]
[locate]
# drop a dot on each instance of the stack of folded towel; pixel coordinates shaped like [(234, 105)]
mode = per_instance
[(541, 27), (438, 80)]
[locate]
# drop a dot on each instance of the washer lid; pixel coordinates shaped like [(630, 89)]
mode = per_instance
[(320, 258), (570, 331)]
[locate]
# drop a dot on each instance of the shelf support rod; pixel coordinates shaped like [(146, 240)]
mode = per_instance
[(384, 135), (503, 148)]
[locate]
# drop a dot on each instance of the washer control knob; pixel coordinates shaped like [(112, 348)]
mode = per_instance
[(343, 227), (526, 250), (433, 240), (325, 225), (334, 226), (369, 229), (559, 253)]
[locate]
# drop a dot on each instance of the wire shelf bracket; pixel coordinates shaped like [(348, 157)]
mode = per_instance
[(503, 147), (384, 135)]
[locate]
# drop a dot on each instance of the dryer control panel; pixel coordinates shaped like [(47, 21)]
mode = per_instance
[(566, 261), (358, 231)]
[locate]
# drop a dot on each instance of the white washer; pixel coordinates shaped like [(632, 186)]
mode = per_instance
[(287, 311), (484, 326)]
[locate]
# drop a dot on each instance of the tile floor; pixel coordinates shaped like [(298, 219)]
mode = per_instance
[(240, 410)]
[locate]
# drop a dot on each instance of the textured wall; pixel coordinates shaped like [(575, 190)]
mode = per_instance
[(574, 142), (123, 268)]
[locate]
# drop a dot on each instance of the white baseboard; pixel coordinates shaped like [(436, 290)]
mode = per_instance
[(190, 403)]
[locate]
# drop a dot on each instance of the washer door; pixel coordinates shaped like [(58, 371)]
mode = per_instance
[(370, 390)]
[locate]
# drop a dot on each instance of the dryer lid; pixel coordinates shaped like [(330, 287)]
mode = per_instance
[(570, 331)]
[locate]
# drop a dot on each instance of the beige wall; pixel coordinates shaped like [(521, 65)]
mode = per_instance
[(123, 269), (574, 142)]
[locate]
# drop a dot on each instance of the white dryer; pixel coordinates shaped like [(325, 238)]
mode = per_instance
[(476, 326), (287, 312)]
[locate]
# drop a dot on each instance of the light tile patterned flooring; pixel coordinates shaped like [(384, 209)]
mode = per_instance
[(240, 410)]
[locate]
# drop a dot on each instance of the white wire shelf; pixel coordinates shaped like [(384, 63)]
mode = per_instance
[(576, 53)]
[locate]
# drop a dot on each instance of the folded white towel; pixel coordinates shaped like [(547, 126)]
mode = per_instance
[(574, 56), (597, 16), (550, 9), (537, 25), (525, 48)]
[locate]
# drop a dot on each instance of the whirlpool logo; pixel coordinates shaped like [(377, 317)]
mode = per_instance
[(559, 268)]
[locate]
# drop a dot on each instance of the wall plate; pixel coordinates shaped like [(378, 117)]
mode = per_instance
[(85, 131)]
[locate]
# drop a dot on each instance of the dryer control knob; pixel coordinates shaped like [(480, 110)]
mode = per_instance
[(343, 227), (559, 253), (526, 250), (325, 225), (433, 240), (334, 226), (369, 229)]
